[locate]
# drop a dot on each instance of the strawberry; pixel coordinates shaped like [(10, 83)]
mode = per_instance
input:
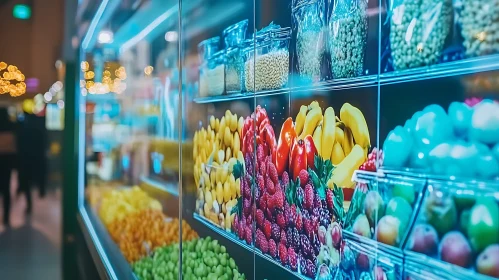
[(283, 254), (263, 201), (303, 175), (276, 201), (281, 221), (330, 199), (260, 218), (246, 207), (260, 156), (248, 235), (272, 248), (284, 239), (261, 182), (267, 229), (270, 186), (299, 222), (261, 241), (272, 172), (308, 199), (293, 259)]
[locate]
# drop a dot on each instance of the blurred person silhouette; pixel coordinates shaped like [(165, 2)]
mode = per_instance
[(31, 151), (7, 160)]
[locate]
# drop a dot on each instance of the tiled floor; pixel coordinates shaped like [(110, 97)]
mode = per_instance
[(30, 248)]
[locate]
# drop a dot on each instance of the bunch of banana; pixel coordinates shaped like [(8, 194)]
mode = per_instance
[(216, 151), (344, 140)]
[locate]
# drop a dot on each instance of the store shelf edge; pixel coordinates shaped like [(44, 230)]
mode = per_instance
[(105, 253)]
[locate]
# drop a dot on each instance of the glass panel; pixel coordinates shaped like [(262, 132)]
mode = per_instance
[(129, 87), (214, 35)]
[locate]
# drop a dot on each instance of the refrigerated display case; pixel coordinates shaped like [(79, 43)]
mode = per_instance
[(304, 139)]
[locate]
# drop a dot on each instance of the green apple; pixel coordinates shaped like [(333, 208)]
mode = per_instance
[(483, 226)]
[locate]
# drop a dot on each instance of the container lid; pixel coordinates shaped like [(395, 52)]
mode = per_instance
[(235, 34), (273, 31), (300, 3), (208, 47)]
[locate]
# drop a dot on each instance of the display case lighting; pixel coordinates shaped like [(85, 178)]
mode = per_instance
[(105, 37), (171, 36)]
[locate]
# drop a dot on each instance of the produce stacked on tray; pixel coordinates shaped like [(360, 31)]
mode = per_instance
[(119, 203), (464, 142), (201, 259), (459, 225), (296, 187), (141, 232), (219, 163)]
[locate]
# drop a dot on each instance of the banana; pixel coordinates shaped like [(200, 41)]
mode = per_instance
[(233, 123), (240, 125), (311, 121), (236, 143), (342, 174), (221, 130), (228, 116), (212, 121), (347, 141), (228, 154), (227, 137), (328, 133), (318, 138), (313, 105), (300, 119), (354, 119), (337, 155)]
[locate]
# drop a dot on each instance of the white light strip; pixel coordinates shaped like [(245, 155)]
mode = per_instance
[(93, 24), (153, 25)]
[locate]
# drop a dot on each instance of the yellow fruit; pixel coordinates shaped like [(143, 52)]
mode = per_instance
[(318, 137), (313, 105), (240, 125), (213, 177), (228, 116), (208, 198), (238, 187), (337, 155), (311, 121), (228, 154), (221, 129), (236, 143), (354, 119), (220, 192), (328, 133), (206, 208), (342, 174), (227, 192), (206, 180), (339, 133), (300, 119), (233, 123), (224, 173), (232, 184), (212, 121), (227, 137), (232, 161), (217, 124), (228, 223), (221, 156), (347, 141)]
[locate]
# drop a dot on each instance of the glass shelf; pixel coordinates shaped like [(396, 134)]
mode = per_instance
[(235, 240), (152, 184), (447, 69)]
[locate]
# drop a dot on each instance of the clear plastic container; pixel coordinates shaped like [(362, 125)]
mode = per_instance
[(348, 37), (418, 31), (479, 22), (234, 37), (266, 64), (215, 74), (309, 22), (208, 48), (458, 228)]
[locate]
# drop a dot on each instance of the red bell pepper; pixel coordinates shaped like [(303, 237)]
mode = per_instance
[(298, 159), (286, 140), (311, 150)]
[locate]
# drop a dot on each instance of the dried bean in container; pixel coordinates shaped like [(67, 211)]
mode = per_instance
[(269, 71)]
